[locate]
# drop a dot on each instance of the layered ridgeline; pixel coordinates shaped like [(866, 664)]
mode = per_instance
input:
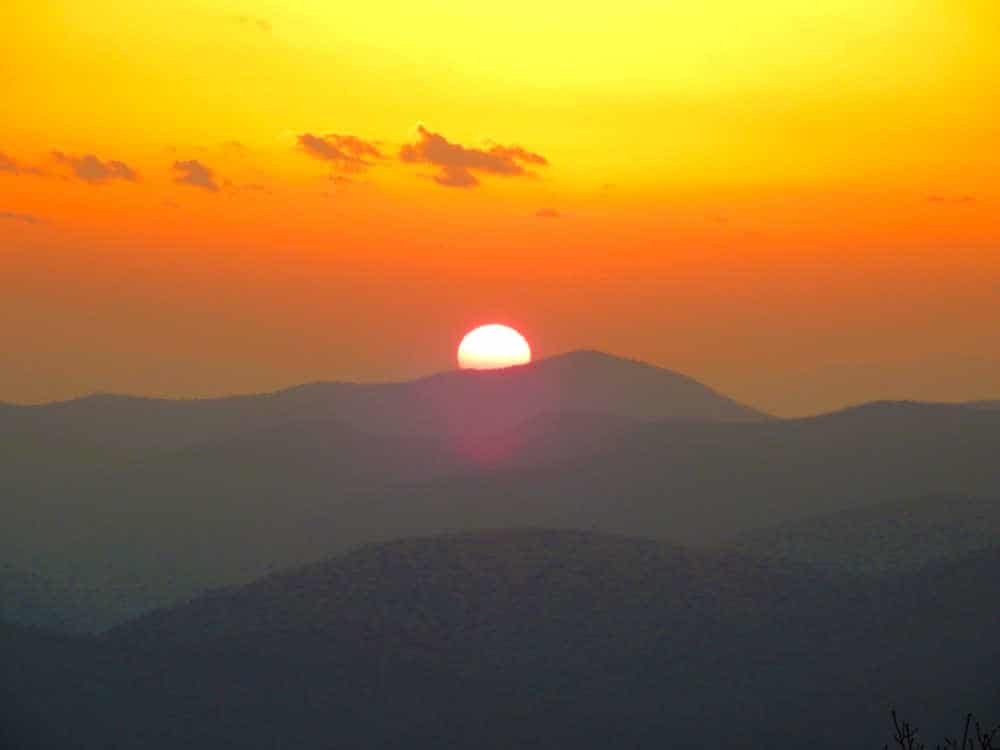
[(116, 504), (456, 402), (523, 638), (149, 511)]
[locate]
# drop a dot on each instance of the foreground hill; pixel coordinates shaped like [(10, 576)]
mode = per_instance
[(156, 531), (522, 639)]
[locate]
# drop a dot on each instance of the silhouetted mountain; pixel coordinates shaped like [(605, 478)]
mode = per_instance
[(523, 639), (883, 539), (450, 403), (157, 531)]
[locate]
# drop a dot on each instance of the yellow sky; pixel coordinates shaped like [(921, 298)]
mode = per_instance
[(717, 174)]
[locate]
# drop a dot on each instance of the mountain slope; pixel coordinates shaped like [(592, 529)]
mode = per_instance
[(526, 639)]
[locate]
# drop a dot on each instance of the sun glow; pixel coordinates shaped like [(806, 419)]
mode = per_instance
[(493, 346)]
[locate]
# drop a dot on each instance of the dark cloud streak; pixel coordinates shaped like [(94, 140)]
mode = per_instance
[(96, 171), (195, 174), (955, 199), (19, 217), (9, 165), (347, 153), (458, 162)]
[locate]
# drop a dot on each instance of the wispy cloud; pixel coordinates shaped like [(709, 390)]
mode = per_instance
[(196, 174), (9, 165), (347, 153), (457, 163), (547, 213), (964, 200), (91, 169), (19, 217)]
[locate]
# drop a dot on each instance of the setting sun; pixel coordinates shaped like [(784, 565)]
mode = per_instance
[(478, 375), (492, 346)]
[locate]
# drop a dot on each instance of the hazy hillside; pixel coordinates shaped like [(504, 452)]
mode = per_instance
[(141, 534), (524, 639), (30, 599), (154, 531), (701, 483), (882, 539)]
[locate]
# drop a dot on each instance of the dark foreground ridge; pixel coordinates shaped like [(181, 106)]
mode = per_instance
[(526, 638)]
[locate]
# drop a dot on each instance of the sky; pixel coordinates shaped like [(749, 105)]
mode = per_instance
[(795, 202)]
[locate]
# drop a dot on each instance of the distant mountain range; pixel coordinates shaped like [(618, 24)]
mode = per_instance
[(985, 404), (132, 504), (457, 402), (523, 638)]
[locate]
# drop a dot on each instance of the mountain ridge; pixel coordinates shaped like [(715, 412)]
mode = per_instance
[(521, 638), (458, 402), (574, 356)]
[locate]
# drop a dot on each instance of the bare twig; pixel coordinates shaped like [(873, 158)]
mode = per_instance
[(905, 736)]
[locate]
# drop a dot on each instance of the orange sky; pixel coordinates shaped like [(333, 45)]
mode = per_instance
[(794, 202)]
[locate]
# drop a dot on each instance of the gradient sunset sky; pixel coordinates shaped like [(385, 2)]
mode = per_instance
[(797, 203)]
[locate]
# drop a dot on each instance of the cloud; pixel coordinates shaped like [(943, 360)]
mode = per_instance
[(547, 213), (452, 176), (22, 218), (7, 164), (458, 162), (12, 166), (347, 153), (95, 171), (954, 199), (90, 168), (196, 174)]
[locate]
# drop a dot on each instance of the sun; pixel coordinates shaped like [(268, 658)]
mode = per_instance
[(492, 346)]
